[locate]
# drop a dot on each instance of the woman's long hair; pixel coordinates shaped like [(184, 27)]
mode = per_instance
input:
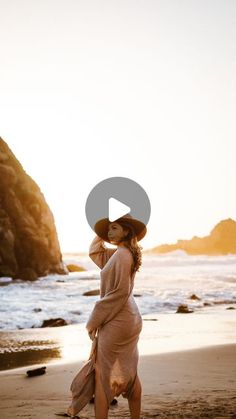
[(131, 242)]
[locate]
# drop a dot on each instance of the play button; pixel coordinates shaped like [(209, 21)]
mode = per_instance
[(115, 197), (117, 209)]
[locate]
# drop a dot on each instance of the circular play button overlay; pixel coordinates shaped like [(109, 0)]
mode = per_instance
[(115, 197)]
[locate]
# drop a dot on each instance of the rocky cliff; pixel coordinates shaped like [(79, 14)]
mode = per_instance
[(220, 241), (29, 246)]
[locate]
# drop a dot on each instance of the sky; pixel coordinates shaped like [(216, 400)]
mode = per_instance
[(140, 89)]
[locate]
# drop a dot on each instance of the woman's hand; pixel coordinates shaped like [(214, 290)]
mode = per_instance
[(92, 333)]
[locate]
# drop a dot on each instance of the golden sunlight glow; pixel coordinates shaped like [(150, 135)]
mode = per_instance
[(82, 100)]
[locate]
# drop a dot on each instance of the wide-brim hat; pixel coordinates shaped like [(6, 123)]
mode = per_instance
[(101, 227)]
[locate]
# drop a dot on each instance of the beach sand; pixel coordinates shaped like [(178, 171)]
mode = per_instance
[(187, 367), (183, 384)]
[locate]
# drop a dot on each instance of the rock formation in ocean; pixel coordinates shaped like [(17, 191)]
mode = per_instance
[(221, 241), (29, 246)]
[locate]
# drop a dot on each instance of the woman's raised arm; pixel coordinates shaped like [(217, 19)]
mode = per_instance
[(99, 253)]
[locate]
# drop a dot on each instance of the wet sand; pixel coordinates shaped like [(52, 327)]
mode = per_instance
[(161, 333)]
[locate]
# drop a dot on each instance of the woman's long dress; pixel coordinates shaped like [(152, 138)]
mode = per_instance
[(118, 320)]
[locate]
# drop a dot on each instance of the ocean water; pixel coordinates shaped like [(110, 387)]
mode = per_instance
[(164, 282)]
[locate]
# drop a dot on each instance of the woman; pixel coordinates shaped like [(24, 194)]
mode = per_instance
[(116, 318)]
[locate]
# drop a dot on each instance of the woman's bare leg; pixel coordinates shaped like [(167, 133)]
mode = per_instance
[(100, 402), (135, 400)]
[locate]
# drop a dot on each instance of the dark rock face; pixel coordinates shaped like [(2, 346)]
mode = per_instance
[(194, 297), (29, 246), (54, 322), (91, 292), (183, 308)]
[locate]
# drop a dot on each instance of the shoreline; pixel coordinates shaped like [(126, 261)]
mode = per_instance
[(161, 333), (189, 383), (186, 366)]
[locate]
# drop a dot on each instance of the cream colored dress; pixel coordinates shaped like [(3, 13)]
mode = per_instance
[(117, 318)]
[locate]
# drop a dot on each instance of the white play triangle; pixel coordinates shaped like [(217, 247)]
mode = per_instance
[(117, 209)]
